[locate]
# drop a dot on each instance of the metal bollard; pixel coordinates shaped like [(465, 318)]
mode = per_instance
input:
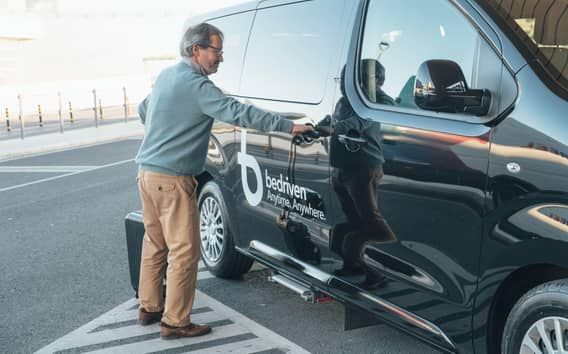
[(40, 117), (70, 112), (125, 104), (21, 116), (95, 108), (60, 112), (100, 110), (8, 120)]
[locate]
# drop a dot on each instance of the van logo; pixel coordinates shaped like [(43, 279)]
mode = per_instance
[(248, 161), (513, 167), (281, 192)]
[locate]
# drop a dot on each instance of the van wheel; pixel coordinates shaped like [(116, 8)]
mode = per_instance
[(217, 245), (538, 323)]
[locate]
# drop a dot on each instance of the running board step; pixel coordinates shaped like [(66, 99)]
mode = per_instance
[(345, 292), (306, 293)]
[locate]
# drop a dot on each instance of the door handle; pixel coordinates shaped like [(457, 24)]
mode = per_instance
[(352, 144), (344, 139)]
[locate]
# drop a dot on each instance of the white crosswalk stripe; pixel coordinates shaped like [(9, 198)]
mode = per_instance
[(44, 169), (117, 331)]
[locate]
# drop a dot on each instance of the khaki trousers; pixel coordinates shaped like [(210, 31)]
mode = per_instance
[(171, 221)]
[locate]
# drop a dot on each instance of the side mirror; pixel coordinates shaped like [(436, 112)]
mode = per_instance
[(440, 86)]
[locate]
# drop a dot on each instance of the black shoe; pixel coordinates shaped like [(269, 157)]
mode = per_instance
[(373, 281), (349, 271)]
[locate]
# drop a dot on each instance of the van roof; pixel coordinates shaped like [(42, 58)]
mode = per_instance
[(235, 9), (246, 6)]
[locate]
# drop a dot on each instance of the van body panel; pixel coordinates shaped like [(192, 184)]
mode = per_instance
[(527, 220), (435, 175)]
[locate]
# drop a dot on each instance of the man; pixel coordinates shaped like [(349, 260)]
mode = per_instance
[(178, 116)]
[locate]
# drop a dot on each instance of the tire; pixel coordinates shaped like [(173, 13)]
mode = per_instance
[(537, 320), (217, 244)]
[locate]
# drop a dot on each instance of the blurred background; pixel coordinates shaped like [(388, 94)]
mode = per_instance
[(54, 51)]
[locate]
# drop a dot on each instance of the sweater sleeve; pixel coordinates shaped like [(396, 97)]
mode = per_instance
[(214, 103), (142, 107)]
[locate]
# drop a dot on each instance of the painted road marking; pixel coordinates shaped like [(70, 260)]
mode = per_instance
[(117, 331), (44, 169), (65, 175)]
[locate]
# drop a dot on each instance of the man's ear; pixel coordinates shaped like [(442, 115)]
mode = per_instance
[(194, 50)]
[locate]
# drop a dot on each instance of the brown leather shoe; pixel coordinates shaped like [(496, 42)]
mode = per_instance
[(191, 330), (146, 318)]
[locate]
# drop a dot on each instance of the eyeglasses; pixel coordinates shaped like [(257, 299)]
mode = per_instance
[(217, 51)]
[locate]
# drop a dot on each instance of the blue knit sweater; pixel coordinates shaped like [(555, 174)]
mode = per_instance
[(178, 116)]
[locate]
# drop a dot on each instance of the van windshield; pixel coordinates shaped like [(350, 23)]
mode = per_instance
[(540, 29)]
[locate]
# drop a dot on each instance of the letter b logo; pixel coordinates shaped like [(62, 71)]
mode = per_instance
[(249, 161)]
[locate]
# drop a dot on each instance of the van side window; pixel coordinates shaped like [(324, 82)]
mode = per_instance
[(539, 28), (290, 51), (235, 30), (400, 35)]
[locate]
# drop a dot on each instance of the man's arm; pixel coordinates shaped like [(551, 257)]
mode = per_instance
[(214, 103), (142, 107)]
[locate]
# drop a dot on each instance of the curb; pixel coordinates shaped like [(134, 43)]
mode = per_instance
[(53, 142)]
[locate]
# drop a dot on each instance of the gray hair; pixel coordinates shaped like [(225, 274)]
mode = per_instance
[(200, 35)]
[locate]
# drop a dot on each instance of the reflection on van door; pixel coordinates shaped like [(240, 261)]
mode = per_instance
[(427, 189), (415, 236)]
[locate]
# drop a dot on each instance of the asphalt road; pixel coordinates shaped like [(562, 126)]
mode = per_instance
[(63, 260)]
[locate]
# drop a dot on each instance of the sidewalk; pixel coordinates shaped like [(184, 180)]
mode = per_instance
[(50, 142)]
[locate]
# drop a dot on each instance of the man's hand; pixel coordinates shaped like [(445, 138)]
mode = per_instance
[(301, 128)]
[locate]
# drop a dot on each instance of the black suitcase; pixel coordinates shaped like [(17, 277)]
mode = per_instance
[(134, 236)]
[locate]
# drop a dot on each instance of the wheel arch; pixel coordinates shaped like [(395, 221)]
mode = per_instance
[(202, 179), (525, 245), (230, 262), (511, 289)]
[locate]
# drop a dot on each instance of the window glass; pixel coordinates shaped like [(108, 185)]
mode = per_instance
[(290, 51), (399, 35), (235, 30), (540, 28)]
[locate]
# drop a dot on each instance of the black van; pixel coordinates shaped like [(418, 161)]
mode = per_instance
[(434, 196)]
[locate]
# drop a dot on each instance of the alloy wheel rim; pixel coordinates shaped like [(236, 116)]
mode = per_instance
[(548, 335), (211, 230)]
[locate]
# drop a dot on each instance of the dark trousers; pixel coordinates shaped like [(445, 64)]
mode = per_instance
[(357, 192)]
